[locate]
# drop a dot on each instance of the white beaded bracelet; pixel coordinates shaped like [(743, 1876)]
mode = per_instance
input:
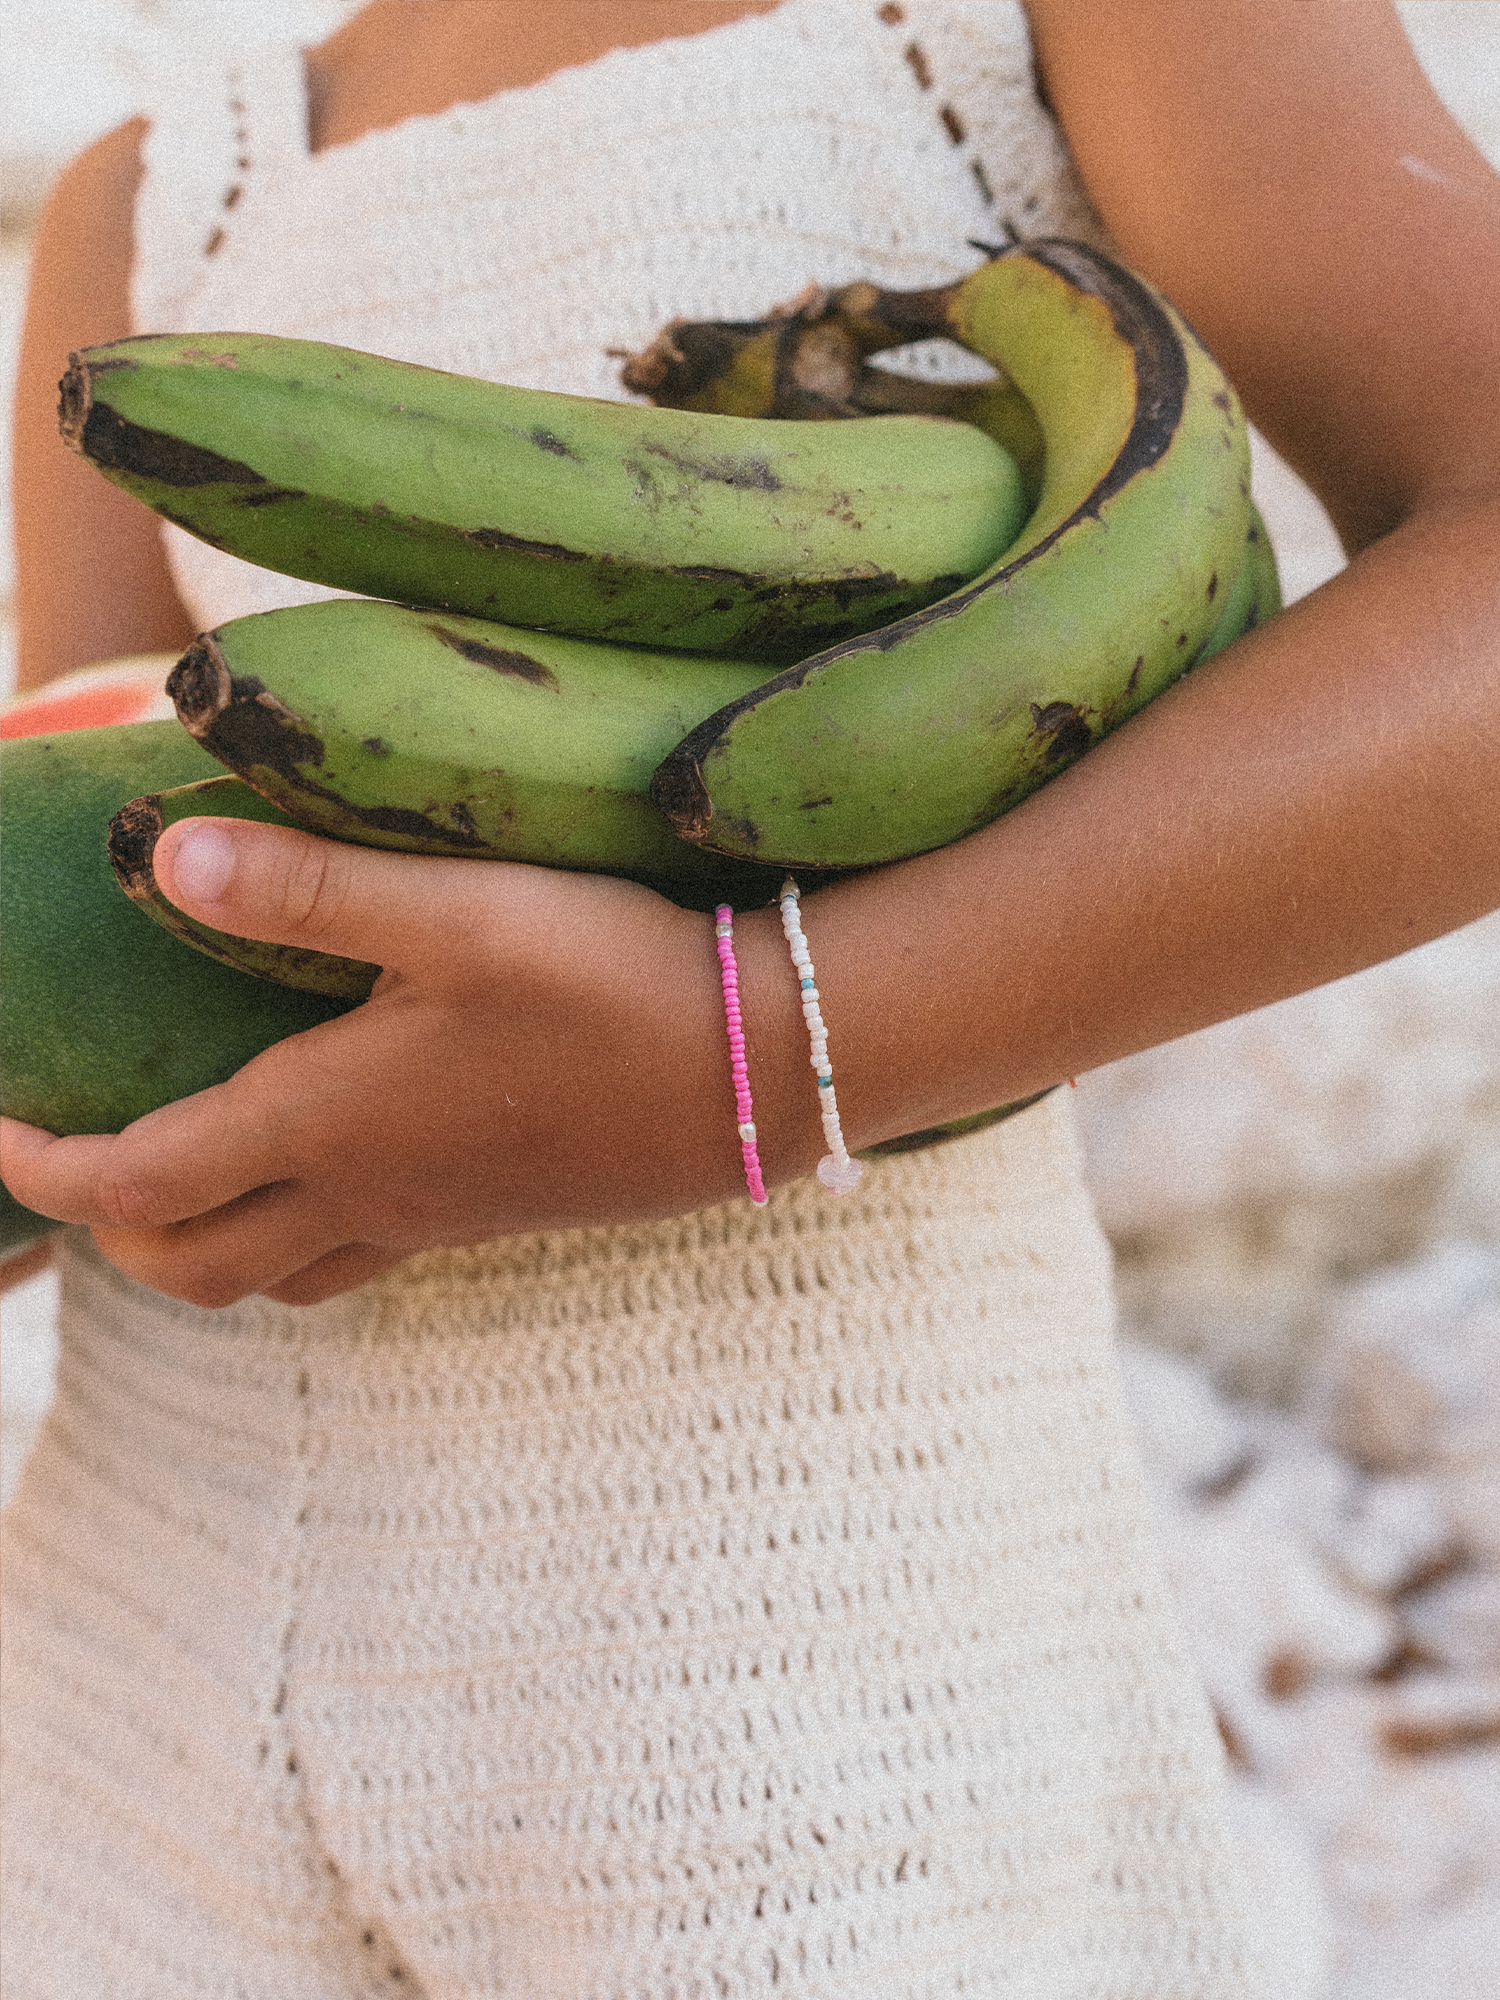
[(838, 1173)]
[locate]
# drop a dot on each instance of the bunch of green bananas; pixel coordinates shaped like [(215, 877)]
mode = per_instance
[(693, 644)]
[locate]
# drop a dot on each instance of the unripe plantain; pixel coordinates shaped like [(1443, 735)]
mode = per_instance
[(1252, 598), (709, 533), (910, 737), (435, 734)]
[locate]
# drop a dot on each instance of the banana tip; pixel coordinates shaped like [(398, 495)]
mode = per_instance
[(132, 838), (75, 398), (681, 797), (199, 685)]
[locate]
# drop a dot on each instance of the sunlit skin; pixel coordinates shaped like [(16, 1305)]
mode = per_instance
[(547, 1050)]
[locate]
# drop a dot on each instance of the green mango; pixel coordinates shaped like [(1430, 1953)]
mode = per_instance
[(108, 1016), (20, 1226)]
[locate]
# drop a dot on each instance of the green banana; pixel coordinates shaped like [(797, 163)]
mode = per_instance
[(1253, 597), (437, 734), (133, 834), (661, 528), (135, 828), (910, 737), (806, 363)]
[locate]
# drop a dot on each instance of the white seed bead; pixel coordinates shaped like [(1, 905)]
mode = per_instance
[(838, 1173)]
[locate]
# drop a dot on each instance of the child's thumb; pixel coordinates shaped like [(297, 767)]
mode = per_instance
[(287, 887)]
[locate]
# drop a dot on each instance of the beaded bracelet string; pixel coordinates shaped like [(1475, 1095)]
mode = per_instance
[(729, 974), (836, 1170)]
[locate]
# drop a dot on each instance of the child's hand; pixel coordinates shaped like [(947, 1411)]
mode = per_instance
[(542, 1050)]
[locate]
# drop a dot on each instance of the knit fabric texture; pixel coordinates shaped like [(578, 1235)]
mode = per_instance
[(760, 1604)]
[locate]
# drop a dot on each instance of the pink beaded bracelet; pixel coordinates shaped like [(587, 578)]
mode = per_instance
[(730, 976)]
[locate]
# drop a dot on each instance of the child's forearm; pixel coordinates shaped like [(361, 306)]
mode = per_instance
[(91, 574), (1323, 796), (1327, 792), (548, 1050)]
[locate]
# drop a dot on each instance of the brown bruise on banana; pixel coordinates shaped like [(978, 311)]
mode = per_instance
[(1061, 731), (501, 538), (115, 444), (745, 473), (500, 659), (550, 442), (875, 320), (798, 615), (788, 626)]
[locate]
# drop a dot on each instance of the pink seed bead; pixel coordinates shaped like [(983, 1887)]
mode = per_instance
[(739, 1070)]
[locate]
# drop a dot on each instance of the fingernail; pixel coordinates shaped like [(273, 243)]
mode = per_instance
[(204, 862)]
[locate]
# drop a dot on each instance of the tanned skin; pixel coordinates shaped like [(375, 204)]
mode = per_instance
[(546, 1049)]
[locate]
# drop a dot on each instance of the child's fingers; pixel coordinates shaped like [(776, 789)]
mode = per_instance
[(86, 1179), (288, 887), (251, 1245), (186, 1159)]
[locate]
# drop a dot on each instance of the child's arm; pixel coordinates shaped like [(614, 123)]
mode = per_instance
[(550, 1049), (1284, 171), (91, 578)]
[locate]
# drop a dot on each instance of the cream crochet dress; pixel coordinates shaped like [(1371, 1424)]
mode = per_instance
[(758, 1605)]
